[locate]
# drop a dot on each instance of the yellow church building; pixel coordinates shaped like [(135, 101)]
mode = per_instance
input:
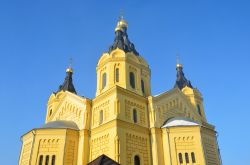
[(124, 124)]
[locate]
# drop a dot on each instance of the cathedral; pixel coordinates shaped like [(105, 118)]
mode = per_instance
[(124, 124)]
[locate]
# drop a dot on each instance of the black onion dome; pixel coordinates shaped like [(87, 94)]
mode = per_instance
[(121, 40), (68, 82), (181, 80)]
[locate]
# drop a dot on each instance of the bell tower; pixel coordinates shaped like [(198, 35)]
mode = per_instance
[(193, 94), (120, 106), (123, 66)]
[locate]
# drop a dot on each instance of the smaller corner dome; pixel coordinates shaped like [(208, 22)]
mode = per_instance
[(61, 124), (179, 121)]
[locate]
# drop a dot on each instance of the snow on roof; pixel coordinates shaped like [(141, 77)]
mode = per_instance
[(61, 124), (178, 121)]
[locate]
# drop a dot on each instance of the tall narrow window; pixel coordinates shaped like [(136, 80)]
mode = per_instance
[(193, 157), (53, 160), (199, 109), (136, 160), (132, 79), (41, 160), (134, 115), (101, 117), (50, 112), (142, 87), (180, 158), (47, 160), (117, 75), (104, 80), (186, 158)]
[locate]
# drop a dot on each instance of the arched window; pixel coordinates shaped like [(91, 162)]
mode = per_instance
[(41, 160), (47, 160), (142, 87), (53, 160), (134, 115), (199, 109), (193, 157), (180, 158), (186, 158), (136, 160), (117, 75), (104, 80), (132, 79), (101, 117)]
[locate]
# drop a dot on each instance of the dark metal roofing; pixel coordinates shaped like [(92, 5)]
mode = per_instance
[(67, 84), (122, 42), (181, 80), (103, 160)]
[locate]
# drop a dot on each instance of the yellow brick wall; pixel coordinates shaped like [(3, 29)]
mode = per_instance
[(99, 146), (25, 158), (210, 147), (137, 145)]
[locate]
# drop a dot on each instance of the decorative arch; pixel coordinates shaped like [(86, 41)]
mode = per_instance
[(140, 156), (137, 160)]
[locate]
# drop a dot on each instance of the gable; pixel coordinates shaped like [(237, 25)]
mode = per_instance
[(70, 108), (173, 104)]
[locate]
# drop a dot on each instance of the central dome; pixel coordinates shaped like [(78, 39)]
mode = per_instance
[(121, 40)]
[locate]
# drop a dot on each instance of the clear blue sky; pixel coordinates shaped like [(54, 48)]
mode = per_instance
[(212, 37)]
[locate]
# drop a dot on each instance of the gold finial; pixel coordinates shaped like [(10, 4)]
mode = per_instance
[(178, 64), (69, 69), (121, 22)]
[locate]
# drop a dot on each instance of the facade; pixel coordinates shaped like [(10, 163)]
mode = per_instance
[(124, 121)]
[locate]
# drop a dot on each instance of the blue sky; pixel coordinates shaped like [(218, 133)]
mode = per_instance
[(212, 38)]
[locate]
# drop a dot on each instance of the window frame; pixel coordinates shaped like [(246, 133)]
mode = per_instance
[(117, 75), (41, 160), (180, 158), (137, 160), (193, 157), (53, 160), (142, 86), (100, 116), (132, 80), (104, 80), (135, 116), (47, 160), (186, 157)]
